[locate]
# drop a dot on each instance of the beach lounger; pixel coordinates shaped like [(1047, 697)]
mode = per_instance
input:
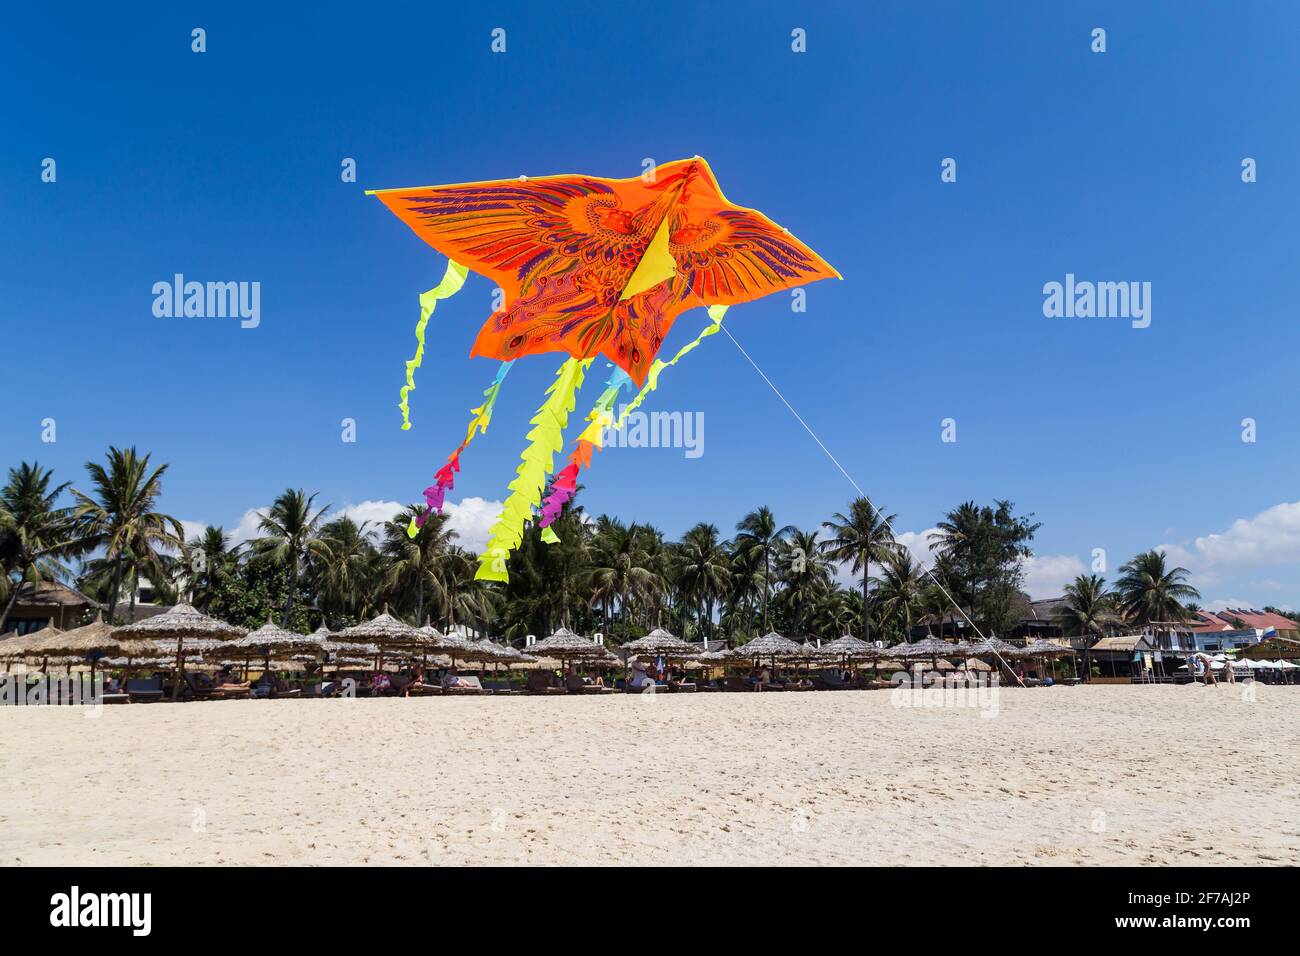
[(113, 698), (539, 682), (464, 686), (681, 687), (575, 685), (501, 687), (420, 689), (144, 690), (231, 692), (736, 684)]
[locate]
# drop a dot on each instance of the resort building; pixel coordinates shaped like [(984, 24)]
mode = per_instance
[(48, 602)]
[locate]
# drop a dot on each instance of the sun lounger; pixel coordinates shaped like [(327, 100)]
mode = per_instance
[(144, 690), (231, 692), (420, 689), (681, 687), (113, 698), (464, 686), (736, 683), (539, 682), (501, 687)]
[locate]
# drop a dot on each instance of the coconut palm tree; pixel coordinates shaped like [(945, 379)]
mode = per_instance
[(900, 595), (1089, 608), (619, 569), (1150, 591), (413, 562), (862, 538), (758, 536), (35, 533), (701, 570), (805, 576), (290, 535), (343, 564), (120, 518), (211, 561)]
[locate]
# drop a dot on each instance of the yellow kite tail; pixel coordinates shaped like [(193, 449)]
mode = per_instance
[(451, 282), (536, 462)]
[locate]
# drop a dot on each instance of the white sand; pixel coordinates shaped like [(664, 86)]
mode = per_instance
[(1093, 775)]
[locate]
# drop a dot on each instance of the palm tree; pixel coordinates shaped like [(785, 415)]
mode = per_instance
[(1151, 592), (343, 561), (701, 570), (619, 569), (121, 519), (1088, 610), (291, 530), (211, 561), (758, 536), (805, 574), (900, 595), (864, 537), (413, 562), (34, 532)]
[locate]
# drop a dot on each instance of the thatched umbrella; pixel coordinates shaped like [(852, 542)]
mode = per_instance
[(383, 630), (181, 623), (1044, 649), (95, 638), (22, 644), (771, 645), (271, 640), (849, 648), (565, 646), (660, 643)]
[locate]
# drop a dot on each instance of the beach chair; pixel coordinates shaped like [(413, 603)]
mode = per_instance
[(681, 687), (575, 685), (421, 689), (144, 690), (231, 692), (464, 686), (501, 687), (539, 682)]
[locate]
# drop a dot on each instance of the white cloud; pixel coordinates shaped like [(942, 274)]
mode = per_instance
[(373, 512), (471, 519), (247, 528), (193, 529), (1271, 537), (918, 544), (1046, 575)]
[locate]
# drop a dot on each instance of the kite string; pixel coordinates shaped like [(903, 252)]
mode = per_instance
[(865, 497)]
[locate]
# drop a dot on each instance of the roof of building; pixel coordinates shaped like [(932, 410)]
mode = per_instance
[(52, 593), (1225, 620)]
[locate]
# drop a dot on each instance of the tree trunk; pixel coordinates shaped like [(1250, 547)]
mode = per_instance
[(116, 588), (293, 584), (13, 597), (866, 603), (766, 589)]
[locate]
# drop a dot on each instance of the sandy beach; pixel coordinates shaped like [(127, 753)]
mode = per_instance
[(1089, 775)]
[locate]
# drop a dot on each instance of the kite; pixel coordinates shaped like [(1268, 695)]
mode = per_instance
[(588, 267)]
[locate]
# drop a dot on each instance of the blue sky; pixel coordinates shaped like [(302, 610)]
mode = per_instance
[(1118, 166)]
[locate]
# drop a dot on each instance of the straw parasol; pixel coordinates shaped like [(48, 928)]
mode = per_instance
[(271, 640), (660, 643), (565, 646), (850, 648), (771, 645), (95, 638), (22, 644), (181, 623), (383, 630)]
